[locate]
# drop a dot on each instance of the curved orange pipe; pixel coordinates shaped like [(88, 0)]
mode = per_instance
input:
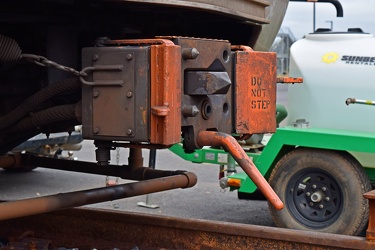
[(218, 139)]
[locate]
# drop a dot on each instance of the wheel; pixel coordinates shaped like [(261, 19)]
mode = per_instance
[(322, 190)]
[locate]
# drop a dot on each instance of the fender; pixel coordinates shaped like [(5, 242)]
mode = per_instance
[(287, 138)]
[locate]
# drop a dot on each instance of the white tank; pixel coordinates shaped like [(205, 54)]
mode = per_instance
[(334, 66)]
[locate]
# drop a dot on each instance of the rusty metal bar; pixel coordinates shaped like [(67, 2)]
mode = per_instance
[(217, 139), (32, 206), (370, 233), (126, 230), (165, 93), (10, 160), (291, 80), (135, 158), (123, 171)]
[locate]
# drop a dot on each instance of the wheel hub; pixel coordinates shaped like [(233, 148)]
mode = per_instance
[(314, 198)]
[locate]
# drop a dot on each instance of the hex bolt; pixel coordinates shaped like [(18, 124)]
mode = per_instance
[(327, 198), (129, 56), (129, 94), (308, 194), (96, 130), (95, 57), (324, 189), (321, 206), (314, 186), (96, 94), (129, 131), (311, 204)]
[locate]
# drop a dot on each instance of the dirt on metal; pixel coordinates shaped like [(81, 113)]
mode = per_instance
[(85, 228)]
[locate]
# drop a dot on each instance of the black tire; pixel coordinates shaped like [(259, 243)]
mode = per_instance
[(322, 190)]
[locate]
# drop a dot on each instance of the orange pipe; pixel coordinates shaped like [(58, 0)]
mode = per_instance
[(218, 139)]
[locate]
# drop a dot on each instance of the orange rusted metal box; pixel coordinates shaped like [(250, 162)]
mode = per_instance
[(255, 91), (132, 92)]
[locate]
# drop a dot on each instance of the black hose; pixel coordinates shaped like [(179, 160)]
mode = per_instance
[(45, 117), (37, 99), (9, 49)]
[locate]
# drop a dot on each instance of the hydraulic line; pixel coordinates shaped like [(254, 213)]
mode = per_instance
[(45, 117), (9, 49), (71, 84)]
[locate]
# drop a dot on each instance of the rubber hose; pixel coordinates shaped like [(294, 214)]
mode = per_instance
[(38, 98), (9, 49), (52, 115)]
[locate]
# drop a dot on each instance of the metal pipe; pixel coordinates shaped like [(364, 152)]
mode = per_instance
[(358, 101), (336, 3), (32, 206), (135, 158), (218, 139), (124, 171), (10, 160)]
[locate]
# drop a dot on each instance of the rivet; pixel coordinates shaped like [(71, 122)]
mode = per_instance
[(96, 130)]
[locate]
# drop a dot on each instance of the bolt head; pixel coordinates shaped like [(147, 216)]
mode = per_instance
[(321, 206), (96, 130), (308, 194)]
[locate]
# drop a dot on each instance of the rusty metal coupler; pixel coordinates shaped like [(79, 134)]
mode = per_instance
[(155, 91)]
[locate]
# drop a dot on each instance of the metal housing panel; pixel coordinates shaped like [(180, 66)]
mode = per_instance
[(115, 100), (255, 92)]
